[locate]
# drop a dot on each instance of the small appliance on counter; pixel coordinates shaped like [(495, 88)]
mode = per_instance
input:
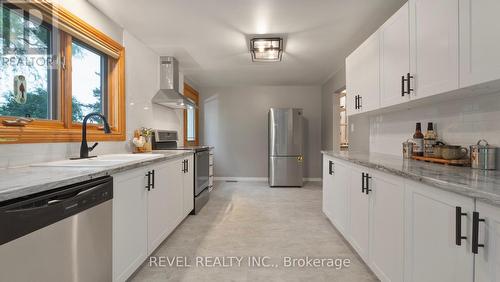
[(165, 140), (408, 149), (483, 156)]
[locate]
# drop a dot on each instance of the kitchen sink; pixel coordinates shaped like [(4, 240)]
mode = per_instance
[(101, 161)]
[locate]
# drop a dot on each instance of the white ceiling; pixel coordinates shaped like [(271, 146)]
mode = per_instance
[(209, 37)]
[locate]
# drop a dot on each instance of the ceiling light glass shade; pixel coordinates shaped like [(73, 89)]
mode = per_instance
[(266, 49)]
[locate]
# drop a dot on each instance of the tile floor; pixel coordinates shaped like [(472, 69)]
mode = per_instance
[(247, 219)]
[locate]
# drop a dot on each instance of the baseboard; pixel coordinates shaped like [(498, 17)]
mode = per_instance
[(257, 179)]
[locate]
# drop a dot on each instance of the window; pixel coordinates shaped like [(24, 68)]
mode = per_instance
[(26, 74), (55, 69), (191, 118), (89, 76)]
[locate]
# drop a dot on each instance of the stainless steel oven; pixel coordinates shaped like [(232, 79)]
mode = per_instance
[(201, 174)]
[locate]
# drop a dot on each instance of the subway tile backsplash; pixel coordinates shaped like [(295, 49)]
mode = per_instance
[(462, 122)]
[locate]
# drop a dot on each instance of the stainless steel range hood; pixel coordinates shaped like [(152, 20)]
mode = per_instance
[(169, 94)]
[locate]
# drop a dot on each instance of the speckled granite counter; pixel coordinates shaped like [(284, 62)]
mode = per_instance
[(479, 184), (23, 181)]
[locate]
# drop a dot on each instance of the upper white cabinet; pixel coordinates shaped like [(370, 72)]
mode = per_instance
[(487, 260), (395, 58), (432, 250), (387, 226), (479, 41), (434, 46), (363, 76)]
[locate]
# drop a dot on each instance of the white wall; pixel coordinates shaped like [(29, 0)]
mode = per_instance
[(330, 118), (142, 82), (142, 78), (235, 122), (459, 121)]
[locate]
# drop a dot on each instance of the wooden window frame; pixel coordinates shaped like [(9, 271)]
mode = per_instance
[(63, 129), (192, 94)]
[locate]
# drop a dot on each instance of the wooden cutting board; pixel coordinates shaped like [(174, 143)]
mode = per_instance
[(461, 162)]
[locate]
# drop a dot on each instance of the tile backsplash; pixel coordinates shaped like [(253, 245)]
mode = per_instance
[(461, 122), (20, 155)]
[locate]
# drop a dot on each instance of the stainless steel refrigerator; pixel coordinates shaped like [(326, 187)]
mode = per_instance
[(285, 147)]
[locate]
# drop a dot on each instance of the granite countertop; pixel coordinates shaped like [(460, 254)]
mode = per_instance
[(479, 184), (27, 180)]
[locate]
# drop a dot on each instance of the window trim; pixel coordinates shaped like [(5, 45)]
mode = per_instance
[(62, 130), (195, 96)]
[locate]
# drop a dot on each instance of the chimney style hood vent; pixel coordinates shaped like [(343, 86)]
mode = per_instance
[(169, 94)]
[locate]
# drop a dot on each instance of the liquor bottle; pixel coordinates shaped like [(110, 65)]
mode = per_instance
[(418, 138), (429, 140)]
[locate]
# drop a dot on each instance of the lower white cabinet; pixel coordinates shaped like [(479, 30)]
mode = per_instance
[(165, 202), (408, 231), (359, 213), (130, 222), (387, 194), (432, 253), (148, 204), (487, 259), (335, 176)]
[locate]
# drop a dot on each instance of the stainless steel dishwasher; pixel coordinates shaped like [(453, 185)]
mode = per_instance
[(64, 234)]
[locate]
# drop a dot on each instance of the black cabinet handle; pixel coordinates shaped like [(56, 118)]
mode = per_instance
[(153, 179), (367, 189), (408, 83), (458, 226), (149, 180), (356, 102), (475, 232), (403, 86), (330, 167), (363, 182), (187, 166), (183, 166)]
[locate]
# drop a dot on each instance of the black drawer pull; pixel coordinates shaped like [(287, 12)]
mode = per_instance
[(403, 86), (363, 182), (367, 189), (458, 226), (408, 83), (330, 167), (148, 186), (475, 232)]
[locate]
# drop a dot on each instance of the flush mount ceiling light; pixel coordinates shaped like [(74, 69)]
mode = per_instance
[(266, 49)]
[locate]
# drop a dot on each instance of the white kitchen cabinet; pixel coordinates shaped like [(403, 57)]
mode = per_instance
[(487, 259), (431, 252), (188, 186), (387, 211), (434, 47), (335, 189), (328, 187), (130, 222), (395, 58), (363, 76), (479, 41), (359, 209), (165, 202)]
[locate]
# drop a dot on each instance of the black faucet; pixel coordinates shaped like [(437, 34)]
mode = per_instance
[(84, 148)]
